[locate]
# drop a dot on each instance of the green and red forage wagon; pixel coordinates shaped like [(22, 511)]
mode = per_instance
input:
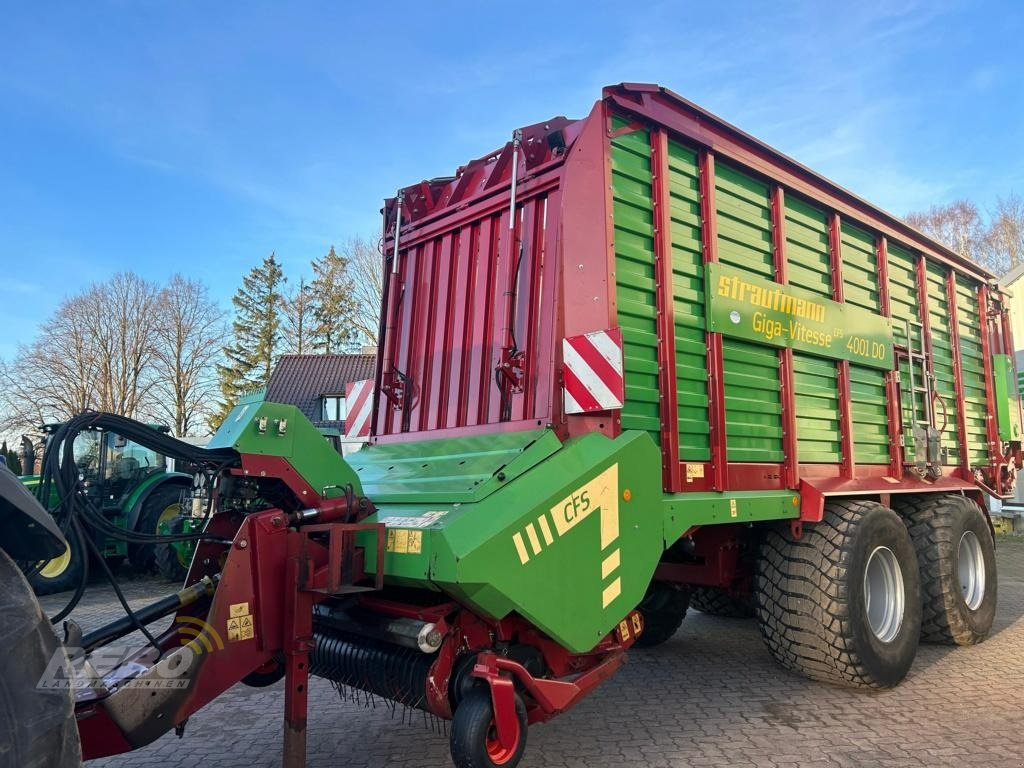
[(626, 362)]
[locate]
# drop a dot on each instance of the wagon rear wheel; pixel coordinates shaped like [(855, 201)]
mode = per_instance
[(957, 557), (842, 603)]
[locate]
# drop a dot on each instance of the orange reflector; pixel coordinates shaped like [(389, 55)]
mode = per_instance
[(627, 495)]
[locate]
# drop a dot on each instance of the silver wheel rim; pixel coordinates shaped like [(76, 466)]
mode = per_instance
[(971, 566), (884, 594)]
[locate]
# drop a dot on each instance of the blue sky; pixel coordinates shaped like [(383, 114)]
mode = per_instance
[(198, 137)]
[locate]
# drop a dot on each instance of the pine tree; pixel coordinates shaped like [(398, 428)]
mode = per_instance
[(333, 305), (256, 332), (298, 318)]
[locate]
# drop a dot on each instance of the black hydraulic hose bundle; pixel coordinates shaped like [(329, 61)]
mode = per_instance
[(60, 474)]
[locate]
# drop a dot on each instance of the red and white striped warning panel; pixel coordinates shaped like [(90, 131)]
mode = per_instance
[(359, 402), (592, 371)]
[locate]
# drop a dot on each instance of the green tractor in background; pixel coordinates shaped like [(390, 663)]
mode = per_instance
[(135, 489)]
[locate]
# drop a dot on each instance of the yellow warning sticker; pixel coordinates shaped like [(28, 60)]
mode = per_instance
[(694, 471), (404, 542), (624, 630), (637, 623), (240, 625), (733, 512)]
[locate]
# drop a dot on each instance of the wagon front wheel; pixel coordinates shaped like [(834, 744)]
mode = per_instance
[(474, 736)]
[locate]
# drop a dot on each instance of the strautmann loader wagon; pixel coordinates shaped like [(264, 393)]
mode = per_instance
[(624, 360)]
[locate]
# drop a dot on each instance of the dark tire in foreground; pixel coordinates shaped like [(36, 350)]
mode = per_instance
[(474, 739), (61, 573), (37, 724), (841, 604), (663, 609), (957, 557), (717, 601)]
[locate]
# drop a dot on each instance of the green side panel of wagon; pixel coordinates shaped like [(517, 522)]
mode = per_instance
[(632, 209), (942, 360), (688, 294), (903, 304), (973, 369), (1007, 408), (867, 385), (815, 379), (753, 408)]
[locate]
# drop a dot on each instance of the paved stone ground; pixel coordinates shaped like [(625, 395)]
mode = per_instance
[(710, 697)]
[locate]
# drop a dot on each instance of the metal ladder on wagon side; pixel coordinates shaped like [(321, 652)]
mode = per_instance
[(925, 437)]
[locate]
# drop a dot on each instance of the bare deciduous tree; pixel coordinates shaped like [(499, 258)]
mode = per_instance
[(123, 317), (366, 277), (1005, 239), (958, 225), (188, 339), (125, 346)]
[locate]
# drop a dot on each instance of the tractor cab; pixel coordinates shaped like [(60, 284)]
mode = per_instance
[(111, 466)]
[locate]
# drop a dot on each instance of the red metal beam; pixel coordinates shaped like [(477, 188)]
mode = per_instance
[(958, 381), (716, 366), (845, 414), (892, 387), (661, 195), (787, 394)]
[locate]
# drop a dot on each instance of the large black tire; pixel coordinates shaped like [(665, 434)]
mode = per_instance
[(37, 725), (165, 556), (663, 609), (473, 740), (62, 573), (159, 503), (717, 601), (957, 557), (812, 596)]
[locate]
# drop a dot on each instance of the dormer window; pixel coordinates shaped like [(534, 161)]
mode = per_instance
[(334, 408)]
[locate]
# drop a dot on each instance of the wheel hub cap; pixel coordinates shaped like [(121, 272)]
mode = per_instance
[(971, 567), (884, 594), (55, 567)]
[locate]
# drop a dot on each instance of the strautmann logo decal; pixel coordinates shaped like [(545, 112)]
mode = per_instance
[(746, 306)]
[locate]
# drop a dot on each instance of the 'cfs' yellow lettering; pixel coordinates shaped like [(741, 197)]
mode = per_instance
[(576, 505)]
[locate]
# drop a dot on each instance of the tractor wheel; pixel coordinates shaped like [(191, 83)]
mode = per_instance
[(957, 557), (162, 506), (169, 562), (717, 601), (842, 603), (37, 724), (61, 573), (474, 738), (663, 609)]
